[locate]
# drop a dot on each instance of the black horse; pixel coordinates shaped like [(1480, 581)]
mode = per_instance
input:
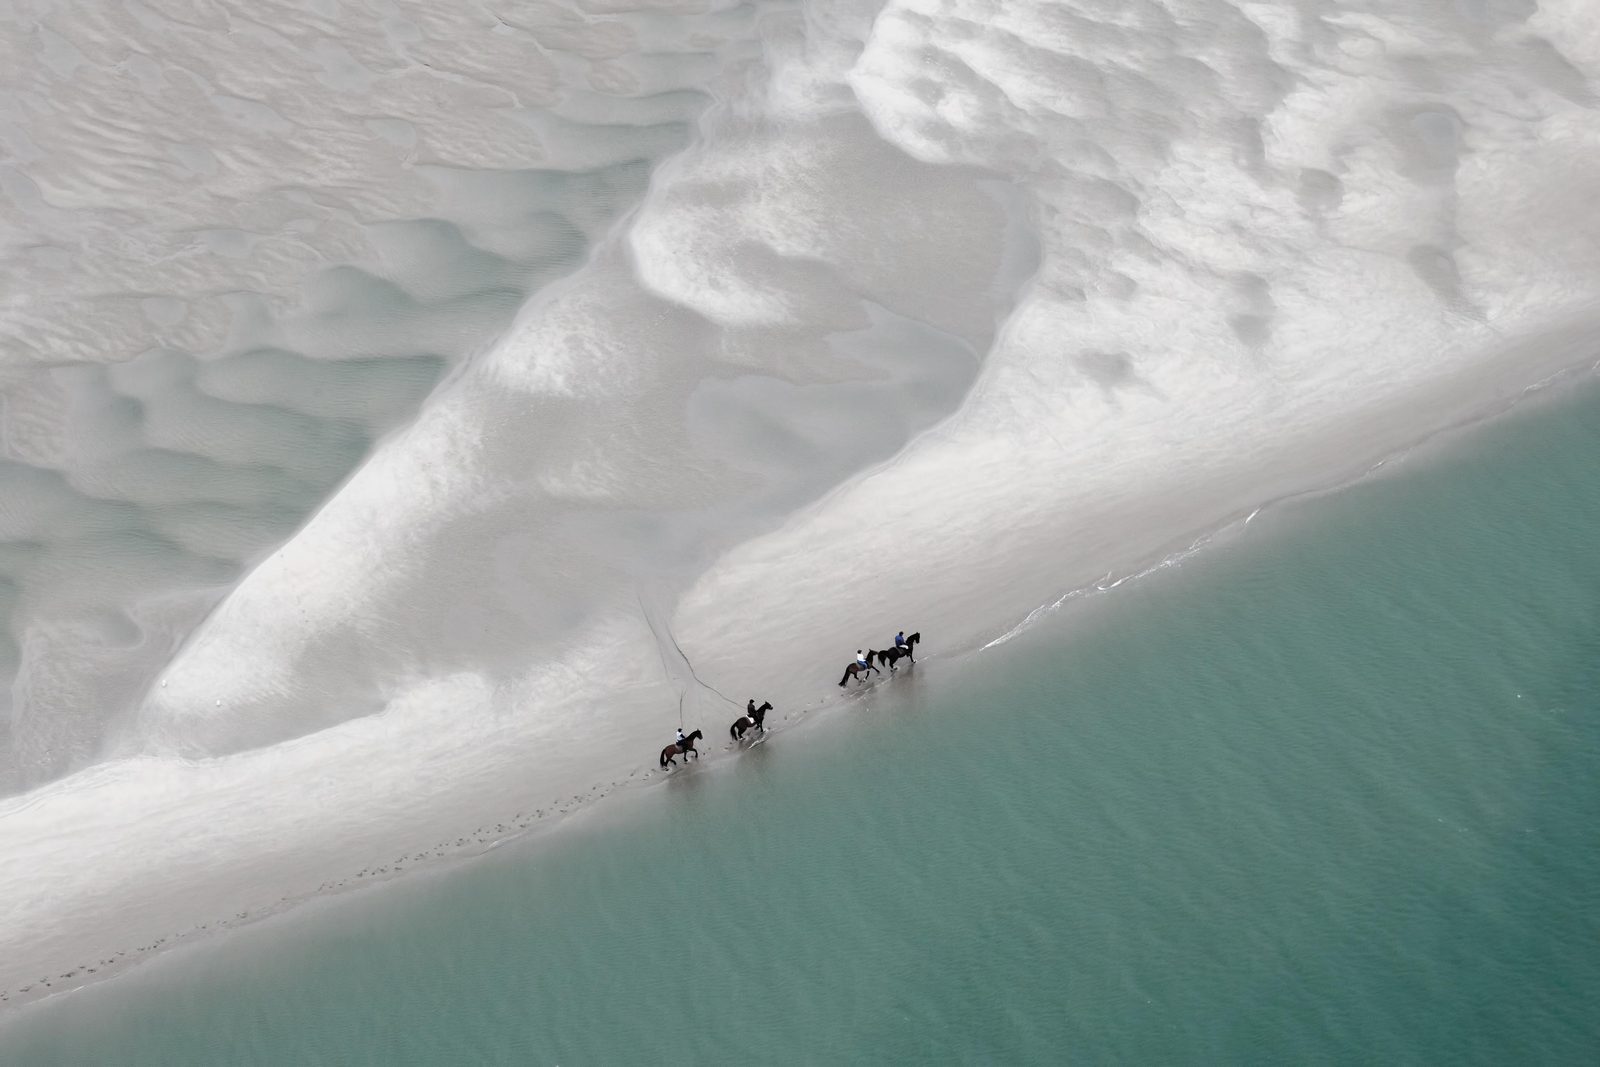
[(890, 656), (687, 748), (753, 717), (857, 671)]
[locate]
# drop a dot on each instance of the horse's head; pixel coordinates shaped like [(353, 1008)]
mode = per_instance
[(696, 736)]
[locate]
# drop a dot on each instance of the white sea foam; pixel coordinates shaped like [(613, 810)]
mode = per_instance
[(946, 310)]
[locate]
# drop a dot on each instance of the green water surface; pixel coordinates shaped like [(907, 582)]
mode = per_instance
[(1328, 793)]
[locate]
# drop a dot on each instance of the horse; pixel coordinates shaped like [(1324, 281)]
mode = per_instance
[(687, 748), (891, 655), (856, 670), (745, 722)]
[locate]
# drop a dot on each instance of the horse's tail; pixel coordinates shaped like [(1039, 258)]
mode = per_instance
[(663, 757), (733, 731), (845, 677)]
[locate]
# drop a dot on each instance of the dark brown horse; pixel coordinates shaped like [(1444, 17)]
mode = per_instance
[(753, 717), (687, 748), (889, 656), (857, 671)]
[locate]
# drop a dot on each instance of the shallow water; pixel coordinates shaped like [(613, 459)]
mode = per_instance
[(1326, 792)]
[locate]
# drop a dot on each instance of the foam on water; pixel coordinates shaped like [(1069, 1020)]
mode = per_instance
[(943, 310)]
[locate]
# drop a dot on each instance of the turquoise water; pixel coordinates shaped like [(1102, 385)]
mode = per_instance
[(1328, 793)]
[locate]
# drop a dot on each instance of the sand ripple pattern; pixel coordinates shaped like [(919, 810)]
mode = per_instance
[(243, 242)]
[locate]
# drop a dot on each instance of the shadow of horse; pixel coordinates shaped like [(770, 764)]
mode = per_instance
[(669, 753)]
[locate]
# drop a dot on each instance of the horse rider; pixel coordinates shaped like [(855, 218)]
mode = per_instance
[(900, 639), (861, 659), (682, 742)]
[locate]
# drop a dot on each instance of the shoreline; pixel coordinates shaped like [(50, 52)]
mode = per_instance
[(1550, 389), (37, 972)]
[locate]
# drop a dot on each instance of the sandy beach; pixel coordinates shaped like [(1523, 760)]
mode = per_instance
[(369, 441)]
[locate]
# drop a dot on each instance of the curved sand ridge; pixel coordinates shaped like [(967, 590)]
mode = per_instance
[(242, 243), (1060, 284)]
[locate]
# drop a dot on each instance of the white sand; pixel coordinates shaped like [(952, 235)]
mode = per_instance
[(946, 310)]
